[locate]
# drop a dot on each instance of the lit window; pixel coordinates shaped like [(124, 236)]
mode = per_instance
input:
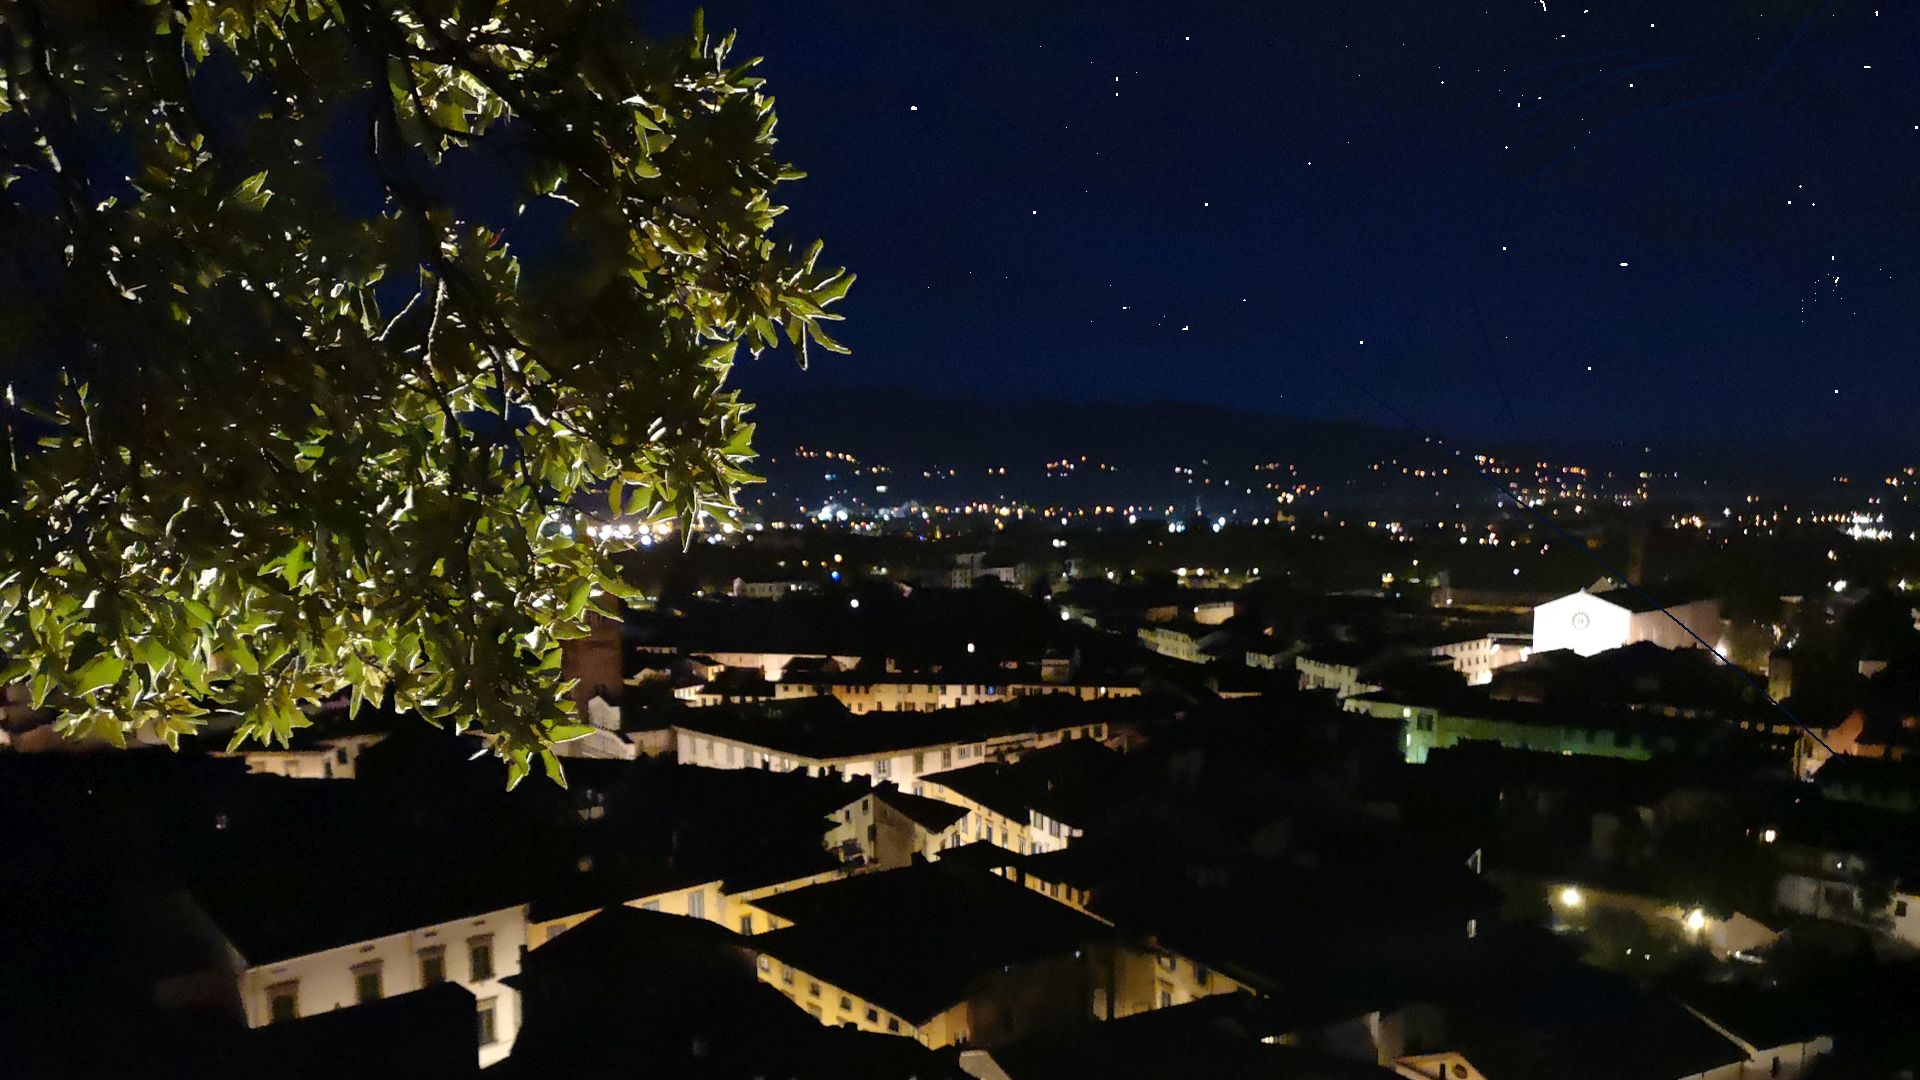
[(486, 1012), (366, 982), (480, 957), (433, 965), (283, 1002)]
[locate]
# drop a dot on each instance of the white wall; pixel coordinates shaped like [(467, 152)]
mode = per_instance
[(1581, 622), (1795, 1059), (326, 979), (1701, 616)]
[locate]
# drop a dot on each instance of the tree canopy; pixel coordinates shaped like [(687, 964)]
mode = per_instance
[(286, 420)]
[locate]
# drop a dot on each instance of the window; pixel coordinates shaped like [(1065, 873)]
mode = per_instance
[(873, 1016), (846, 1003), (786, 974), (1201, 976), (1899, 909), (883, 767), (433, 964), (650, 905), (480, 957), (485, 1013), (1166, 996), (366, 982), (746, 923), (813, 989), (1169, 961), (697, 904), (283, 1002), (340, 755), (764, 964), (893, 1025)]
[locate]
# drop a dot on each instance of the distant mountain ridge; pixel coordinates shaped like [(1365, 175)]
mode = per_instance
[(911, 427), (918, 429)]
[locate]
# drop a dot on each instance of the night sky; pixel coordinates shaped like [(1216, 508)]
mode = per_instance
[(1542, 220)]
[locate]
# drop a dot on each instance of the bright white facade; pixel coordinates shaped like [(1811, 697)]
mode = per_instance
[(902, 766), (1589, 624), (327, 759), (476, 953)]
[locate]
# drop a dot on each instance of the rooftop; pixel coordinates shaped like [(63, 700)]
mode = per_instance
[(915, 940), (823, 729)]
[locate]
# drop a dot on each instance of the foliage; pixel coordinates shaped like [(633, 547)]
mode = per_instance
[(309, 430)]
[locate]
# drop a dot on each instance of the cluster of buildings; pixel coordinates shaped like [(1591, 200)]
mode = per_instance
[(971, 827)]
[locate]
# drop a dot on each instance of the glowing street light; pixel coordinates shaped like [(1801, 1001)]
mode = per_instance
[(1570, 897), (1696, 920)]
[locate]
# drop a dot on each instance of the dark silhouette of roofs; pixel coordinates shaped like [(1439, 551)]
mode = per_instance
[(1063, 782), (1571, 1021), (915, 940), (1642, 674), (673, 996), (823, 729), (427, 1034), (1206, 1038), (930, 814)]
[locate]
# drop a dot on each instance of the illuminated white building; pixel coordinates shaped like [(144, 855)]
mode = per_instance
[(1589, 623), (1478, 658), (288, 967)]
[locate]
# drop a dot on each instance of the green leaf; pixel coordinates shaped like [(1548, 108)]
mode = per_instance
[(97, 674), (578, 597)]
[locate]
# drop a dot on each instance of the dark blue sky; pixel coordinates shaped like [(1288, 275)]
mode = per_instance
[(1221, 202)]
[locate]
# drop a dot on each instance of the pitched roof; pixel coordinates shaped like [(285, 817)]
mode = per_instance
[(823, 729), (930, 814), (1199, 1039), (1063, 782), (915, 940)]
